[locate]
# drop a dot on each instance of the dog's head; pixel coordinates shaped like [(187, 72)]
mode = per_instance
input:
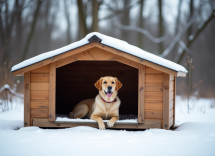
[(108, 85)]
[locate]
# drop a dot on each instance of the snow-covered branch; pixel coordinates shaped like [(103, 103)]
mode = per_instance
[(140, 30), (11, 91)]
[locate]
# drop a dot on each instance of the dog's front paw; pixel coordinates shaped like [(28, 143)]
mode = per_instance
[(102, 126), (110, 123)]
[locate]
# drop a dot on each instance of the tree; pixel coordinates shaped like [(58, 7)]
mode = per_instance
[(30, 35), (140, 35)]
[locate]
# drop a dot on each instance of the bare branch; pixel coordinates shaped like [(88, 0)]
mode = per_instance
[(195, 35), (140, 30)]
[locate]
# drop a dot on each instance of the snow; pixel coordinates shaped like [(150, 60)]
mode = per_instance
[(194, 136), (109, 41), (68, 120)]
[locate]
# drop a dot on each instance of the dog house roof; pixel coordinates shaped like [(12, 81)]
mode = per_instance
[(108, 41)]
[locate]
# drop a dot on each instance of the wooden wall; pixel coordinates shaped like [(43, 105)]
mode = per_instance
[(75, 82), (39, 93), (153, 94)]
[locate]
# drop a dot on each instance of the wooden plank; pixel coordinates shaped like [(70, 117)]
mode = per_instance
[(40, 86), (96, 54), (170, 122), (39, 103), (42, 95), (136, 59), (171, 77), (174, 101), (153, 114), (55, 58), (141, 90), (154, 78), (44, 69), (52, 92), (171, 95), (36, 118), (171, 103), (148, 124), (171, 85), (39, 77), (66, 61), (154, 87), (127, 62), (151, 71), (154, 105), (39, 113), (171, 113), (27, 89), (166, 101), (153, 96)]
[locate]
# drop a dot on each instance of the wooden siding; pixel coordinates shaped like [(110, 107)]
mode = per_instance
[(153, 94), (39, 93)]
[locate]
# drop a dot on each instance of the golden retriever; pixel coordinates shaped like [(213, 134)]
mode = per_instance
[(104, 106)]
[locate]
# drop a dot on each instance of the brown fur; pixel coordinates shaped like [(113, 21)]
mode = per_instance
[(96, 109)]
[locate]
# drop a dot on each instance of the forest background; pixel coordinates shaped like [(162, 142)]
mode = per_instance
[(182, 31)]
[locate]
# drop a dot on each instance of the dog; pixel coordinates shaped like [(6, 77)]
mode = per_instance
[(104, 106)]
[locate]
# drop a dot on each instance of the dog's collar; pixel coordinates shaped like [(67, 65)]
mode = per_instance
[(109, 102)]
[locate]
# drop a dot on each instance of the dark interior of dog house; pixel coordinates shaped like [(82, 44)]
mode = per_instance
[(75, 82)]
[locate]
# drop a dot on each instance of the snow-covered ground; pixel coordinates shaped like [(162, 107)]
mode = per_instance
[(195, 136)]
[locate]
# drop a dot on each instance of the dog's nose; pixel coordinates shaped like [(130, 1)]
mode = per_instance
[(109, 87)]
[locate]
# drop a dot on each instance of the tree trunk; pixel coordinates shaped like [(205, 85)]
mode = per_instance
[(82, 19), (29, 38), (66, 11), (95, 9), (178, 18), (160, 16), (140, 35), (125, 20)]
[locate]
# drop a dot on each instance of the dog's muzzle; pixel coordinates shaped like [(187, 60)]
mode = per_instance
[(109, 91)]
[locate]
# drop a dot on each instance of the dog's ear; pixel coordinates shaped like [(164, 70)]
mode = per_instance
[(118, 84), (98, 84)]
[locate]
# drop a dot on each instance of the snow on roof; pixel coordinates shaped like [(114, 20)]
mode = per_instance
[(108, 41)]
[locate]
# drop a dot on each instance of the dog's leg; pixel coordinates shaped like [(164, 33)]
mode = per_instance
[(81, 111), (112, 121), (99, 120)]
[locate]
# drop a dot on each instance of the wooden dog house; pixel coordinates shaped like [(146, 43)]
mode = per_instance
[(54, 82)]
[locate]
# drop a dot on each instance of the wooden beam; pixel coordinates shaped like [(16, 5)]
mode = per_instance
[(174, 102), (148, 124), (66, 61), (52, 92), (27, 88), (127, 62), (141, 93), (166, 81)]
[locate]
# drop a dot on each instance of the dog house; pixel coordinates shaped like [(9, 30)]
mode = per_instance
[(54, 82)]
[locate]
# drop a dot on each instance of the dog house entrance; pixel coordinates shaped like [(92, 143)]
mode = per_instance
[(75, 82)]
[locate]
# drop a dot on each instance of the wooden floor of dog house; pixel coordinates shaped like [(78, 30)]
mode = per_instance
[(146, 125)]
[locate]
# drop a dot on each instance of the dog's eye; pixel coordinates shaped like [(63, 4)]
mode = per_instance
[(105, 82), (112, 82)]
